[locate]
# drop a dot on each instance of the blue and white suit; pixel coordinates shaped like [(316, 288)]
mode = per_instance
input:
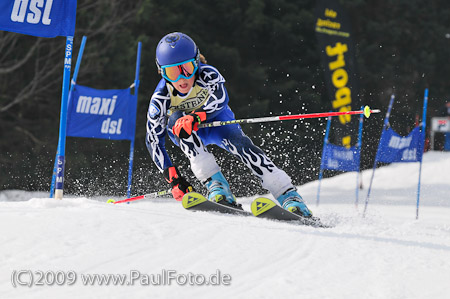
[(210, 95)]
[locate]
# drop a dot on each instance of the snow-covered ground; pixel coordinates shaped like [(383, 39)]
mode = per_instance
[(387, 254)]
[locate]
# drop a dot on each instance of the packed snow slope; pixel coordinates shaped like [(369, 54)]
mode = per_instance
[(387, 254)]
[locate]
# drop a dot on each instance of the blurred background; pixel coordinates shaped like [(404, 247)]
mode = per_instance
[(267, 51)]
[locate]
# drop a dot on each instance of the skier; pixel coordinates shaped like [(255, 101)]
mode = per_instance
[(190, 93)]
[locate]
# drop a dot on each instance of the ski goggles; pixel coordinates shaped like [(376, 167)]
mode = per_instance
[(185, 69)]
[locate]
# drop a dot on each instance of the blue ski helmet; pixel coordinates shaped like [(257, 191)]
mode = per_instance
[(174, 48)]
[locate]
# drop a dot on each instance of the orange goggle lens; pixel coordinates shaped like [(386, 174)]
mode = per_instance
[(185, 70)]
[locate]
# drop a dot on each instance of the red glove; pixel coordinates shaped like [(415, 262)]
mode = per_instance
[(184, 125), (179, 184)]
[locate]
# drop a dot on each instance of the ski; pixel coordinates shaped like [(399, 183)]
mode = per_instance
[(194, 201), (261, 207), (265, 208)]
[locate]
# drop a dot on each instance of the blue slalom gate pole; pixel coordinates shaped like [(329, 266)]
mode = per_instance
[(74, 79), (358, 146), (422, 147), (386, 121), (136, 87), (77, 65), (60, 155), (325, 142)]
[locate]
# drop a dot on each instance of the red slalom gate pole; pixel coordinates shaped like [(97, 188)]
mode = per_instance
[(366, 111)]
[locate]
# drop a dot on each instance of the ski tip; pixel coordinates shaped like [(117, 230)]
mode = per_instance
[(110, 201), (261, 205), (192, 199)]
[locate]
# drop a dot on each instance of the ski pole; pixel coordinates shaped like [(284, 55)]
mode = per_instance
[(366, 111), (164, 193)]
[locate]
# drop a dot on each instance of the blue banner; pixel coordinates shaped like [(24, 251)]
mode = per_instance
[(396, 148), (340, 158), (46, 18), (105, 114)]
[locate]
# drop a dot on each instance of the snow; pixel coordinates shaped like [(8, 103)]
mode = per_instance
[(387, 254)]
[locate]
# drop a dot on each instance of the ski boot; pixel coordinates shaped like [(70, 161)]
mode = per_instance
[(219, 191), (293, 202)]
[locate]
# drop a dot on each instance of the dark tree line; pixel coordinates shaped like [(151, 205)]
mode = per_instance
[(266, 50)]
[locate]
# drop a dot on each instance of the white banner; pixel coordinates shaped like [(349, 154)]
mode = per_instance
[(440, 124)]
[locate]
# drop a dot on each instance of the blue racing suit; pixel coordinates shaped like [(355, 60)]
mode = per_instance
[(210, 95)]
